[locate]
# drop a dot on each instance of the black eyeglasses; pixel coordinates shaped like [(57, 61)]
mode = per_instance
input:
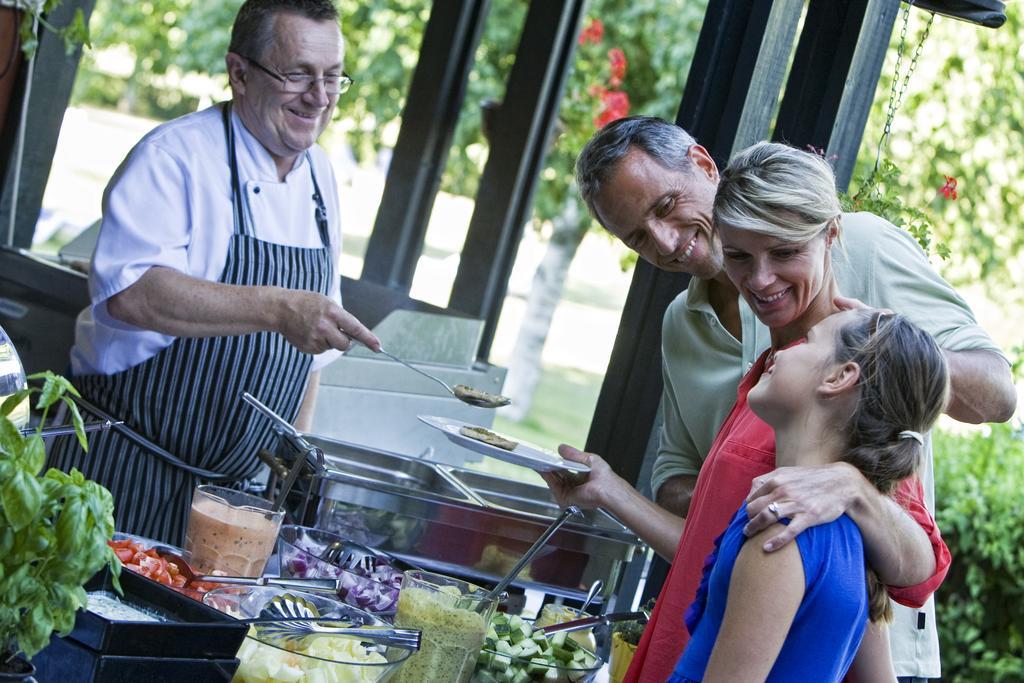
[(300, 83)]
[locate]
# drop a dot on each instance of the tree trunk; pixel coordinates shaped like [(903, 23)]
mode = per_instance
[(524, 366)]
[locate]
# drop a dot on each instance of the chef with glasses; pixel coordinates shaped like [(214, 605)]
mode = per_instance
[(216, 273)]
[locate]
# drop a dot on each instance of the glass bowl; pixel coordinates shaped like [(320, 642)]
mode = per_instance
[(370, 581), (552, 614), (452, 614), (496, 663), (327, 659)]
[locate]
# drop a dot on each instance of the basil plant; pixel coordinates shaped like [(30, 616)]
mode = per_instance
[(54, 529)]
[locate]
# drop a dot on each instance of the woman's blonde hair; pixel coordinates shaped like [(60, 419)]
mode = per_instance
[(903, 388), (777, 190)]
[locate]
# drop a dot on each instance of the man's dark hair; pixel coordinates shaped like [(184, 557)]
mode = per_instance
[(665, 142), (254, 25)]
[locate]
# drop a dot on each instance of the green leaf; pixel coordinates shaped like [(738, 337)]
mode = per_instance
[(27, 35), (34, 455), (37, 625), (13, 401), (76, 33), (76, 420), (11, 441), (21, 497), (72, 528), (54, 386)]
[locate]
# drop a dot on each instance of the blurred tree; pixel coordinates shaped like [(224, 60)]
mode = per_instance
[(149, 29), (963, 121), (634, 63)]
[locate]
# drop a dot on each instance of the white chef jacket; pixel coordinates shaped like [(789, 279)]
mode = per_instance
[(169, 204)]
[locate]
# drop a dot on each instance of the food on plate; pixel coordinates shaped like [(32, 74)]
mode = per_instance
[(322, 660), (488, 437), (515, 651), (452, 634), (463, 391), (135, 557)]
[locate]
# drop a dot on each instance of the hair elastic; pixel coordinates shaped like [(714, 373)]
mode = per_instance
[(908, 434)]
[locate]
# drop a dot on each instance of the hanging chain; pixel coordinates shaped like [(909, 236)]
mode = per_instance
[(899, 88)]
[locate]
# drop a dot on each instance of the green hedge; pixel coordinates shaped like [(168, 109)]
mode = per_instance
[(979, 482)]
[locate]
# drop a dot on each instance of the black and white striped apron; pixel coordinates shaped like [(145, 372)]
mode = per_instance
[(187, 398)]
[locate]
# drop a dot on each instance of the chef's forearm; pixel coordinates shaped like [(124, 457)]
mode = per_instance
[(170, 302)]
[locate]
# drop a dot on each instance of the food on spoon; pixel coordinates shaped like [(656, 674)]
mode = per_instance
[(516, 651), (463, 392), (488, 437)]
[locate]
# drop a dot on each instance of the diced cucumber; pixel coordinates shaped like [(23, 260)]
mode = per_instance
[(561, 654), (558, 640), (528, 648), (537, 667), (483, 676)]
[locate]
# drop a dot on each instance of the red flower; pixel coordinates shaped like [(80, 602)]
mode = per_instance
[(949, 189), (616, 106), (592, 32), (617, 60), (597, 90)]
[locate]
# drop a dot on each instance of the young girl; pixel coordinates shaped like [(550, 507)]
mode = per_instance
[(861, 390)]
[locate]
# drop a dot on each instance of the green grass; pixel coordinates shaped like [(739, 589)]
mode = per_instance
[(562, 407), (560, 413)]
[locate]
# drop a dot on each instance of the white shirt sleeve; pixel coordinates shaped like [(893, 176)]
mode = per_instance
[(145, 223)]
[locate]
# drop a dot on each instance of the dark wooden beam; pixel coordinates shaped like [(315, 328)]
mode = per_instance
[(431, 113), (834, 77), (861, 84), (519, 142)]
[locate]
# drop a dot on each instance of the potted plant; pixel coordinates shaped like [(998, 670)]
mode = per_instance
[(54, 529)]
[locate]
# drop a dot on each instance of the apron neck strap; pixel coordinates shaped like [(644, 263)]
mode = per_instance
[(320, 212), (238, 214), (237, 210)]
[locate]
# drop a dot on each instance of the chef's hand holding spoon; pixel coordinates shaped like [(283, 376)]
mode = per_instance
[(314, 323)]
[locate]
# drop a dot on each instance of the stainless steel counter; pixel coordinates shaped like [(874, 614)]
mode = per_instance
[(464, 522)]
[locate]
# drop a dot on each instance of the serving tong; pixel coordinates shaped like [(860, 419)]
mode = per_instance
[(591, 622), (499, 588), (313, 455), (332, 586), (291, 619), (63, 430)]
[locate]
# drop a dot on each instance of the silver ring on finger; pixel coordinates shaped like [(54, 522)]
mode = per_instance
[(773, 508)]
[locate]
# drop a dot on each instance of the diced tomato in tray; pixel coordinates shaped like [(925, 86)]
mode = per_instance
[(147, 562)]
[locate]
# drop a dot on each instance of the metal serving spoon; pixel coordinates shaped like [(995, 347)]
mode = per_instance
[(466, 394), (595, 588), (590, 622), (291, 618), (333, 586), (571, 511)]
